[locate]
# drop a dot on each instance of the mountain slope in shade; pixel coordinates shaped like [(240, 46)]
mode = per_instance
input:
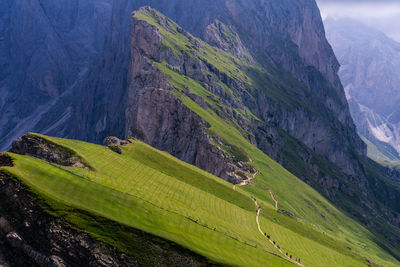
[(370, 74)]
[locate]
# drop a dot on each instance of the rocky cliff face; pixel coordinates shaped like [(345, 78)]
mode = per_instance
[(370, 62), (98, 86), (47, 50), (156, 116)]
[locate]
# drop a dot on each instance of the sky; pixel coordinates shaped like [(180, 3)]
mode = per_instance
[(381, 14)]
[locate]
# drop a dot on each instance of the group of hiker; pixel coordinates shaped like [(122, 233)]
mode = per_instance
[(287, 254)]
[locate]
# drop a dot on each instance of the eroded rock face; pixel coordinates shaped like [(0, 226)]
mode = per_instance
[(225, 38)]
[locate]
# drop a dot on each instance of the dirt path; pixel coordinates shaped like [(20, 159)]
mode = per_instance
[(247, 182), (264, 235), (273, 198)]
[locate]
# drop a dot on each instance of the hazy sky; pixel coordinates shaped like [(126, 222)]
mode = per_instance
[(382, 14)]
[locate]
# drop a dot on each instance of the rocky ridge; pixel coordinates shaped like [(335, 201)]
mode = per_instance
[(157, 117)]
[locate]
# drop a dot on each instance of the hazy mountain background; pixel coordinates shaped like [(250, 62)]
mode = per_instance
[(365, 38)]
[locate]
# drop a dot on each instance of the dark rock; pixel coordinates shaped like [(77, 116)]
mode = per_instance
[(114, 141), (5, 160), (40, 148), (116, 149), (285, 212)]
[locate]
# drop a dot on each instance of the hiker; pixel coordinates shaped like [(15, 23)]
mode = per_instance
[(299, 260), (279, 247), (268, 236), (290, 256), (287, 254), (273, 242)]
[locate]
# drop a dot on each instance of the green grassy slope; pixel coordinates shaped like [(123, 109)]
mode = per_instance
[(315, 218), (377, 155), (154, 192)]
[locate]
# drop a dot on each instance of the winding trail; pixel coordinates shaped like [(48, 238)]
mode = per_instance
[(247, 182), (261, 231), (273, 198)]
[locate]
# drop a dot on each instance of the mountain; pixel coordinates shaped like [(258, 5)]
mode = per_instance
[(91, 94), (370, 61), (228, 84)]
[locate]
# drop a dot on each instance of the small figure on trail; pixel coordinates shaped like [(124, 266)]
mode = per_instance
[(296, 259), (274, 242), (268, 236), (290, 256), (299, 260), (287, 254), (279, 247)]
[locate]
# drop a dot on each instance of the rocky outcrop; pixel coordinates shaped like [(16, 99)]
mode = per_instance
[(114, 141), (38, 147), (29, 236)]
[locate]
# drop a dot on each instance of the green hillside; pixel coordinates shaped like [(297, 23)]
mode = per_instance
[(377, 155), (150, 190)]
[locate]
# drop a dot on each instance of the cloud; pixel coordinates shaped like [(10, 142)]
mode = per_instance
[(356, 9), (383, 15)]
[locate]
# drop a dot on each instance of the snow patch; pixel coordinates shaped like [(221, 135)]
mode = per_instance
[(381, 132), (347, 91)]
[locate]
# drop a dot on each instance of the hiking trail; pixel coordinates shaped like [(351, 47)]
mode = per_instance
[(247, 182)]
